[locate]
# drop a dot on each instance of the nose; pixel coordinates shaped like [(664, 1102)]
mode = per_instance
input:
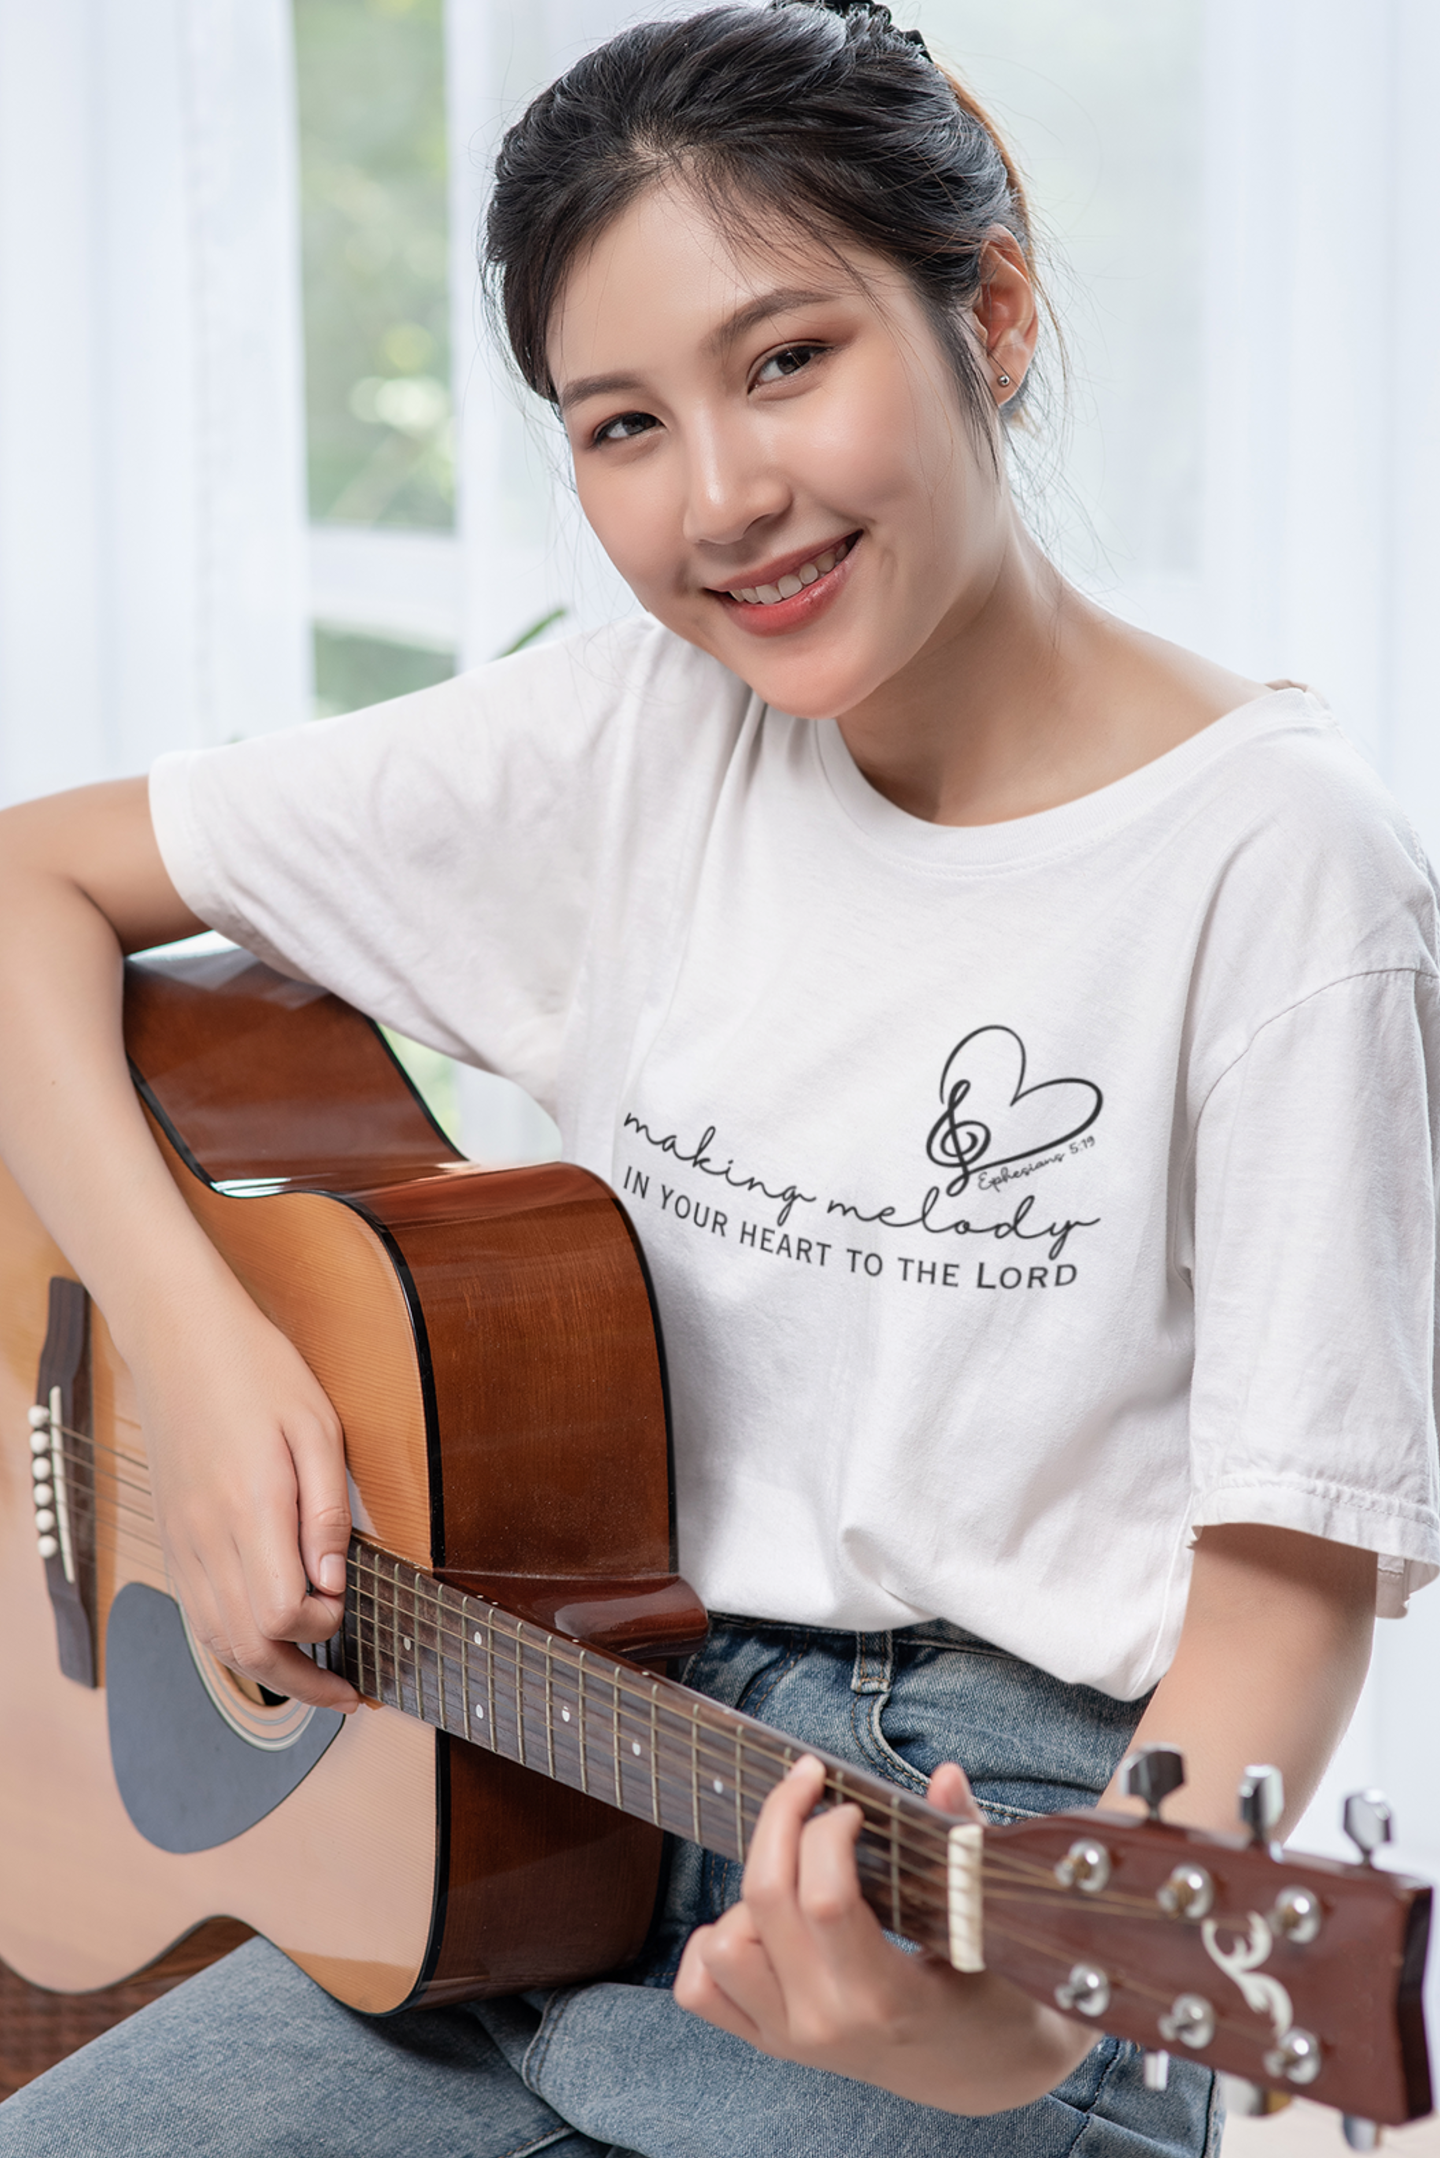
[(732, 483)]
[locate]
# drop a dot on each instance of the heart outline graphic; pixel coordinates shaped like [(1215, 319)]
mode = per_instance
[(962, 1144)]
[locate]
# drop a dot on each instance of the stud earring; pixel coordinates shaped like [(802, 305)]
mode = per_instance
[(1004, 382)]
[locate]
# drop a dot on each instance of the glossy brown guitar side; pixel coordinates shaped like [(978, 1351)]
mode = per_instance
[(509, 1309)]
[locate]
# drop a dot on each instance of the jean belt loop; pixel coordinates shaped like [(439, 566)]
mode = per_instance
[(874, 1663)]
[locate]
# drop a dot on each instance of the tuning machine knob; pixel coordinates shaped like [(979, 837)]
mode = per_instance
[(1189, 1893), (1261, 1801), (1086, 1992), (1297, 1915), (1086, 1866), (1296, 2057), (1151, 1773), (1191, 2021), (1369, 1823)]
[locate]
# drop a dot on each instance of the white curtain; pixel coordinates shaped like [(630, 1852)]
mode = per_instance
[(152, 588)]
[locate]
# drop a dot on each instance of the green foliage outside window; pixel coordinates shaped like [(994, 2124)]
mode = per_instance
[(371, 78)]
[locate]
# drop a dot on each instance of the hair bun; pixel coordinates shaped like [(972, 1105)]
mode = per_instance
[(873, 11)]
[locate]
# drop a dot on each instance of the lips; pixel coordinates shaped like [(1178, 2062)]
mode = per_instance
[(789, 590)]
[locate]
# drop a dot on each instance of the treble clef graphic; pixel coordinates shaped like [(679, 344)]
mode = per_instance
[(1241, 1963)]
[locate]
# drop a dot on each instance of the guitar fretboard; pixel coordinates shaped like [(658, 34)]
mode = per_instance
[(603, 1726)]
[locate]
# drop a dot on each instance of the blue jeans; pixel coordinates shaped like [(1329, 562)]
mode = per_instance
[(251, 2058)]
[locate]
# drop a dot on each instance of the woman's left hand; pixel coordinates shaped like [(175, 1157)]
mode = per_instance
[(801, 1969)]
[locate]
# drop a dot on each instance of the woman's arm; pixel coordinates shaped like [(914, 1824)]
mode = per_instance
[(1271, 1659), (1272, 1656), (245, 1450)]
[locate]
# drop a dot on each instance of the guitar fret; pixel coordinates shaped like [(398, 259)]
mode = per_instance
[(739, 1792), (584, 1756), (395, 1632), (490, 1677), (465, 1665), (440, 1653), (654, 1758), (549, 1708), (519, 1691), (695, 1769), (615, 1737), (415, 1639)]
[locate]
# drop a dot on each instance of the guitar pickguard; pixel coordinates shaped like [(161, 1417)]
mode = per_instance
[(188, 1779)]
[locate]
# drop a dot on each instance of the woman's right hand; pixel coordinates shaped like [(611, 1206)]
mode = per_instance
[(245, 1450), (247, 1469)]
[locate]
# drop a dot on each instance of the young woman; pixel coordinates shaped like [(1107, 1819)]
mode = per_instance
[(1039, 1021)]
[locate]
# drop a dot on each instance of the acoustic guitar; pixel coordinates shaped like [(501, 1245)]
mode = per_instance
[(492, 1818)]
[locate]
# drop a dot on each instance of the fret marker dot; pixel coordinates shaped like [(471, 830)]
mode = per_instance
[(564, 1715), (634, 1745), (479, 1713), (479, 1641), (406, 1639), (719, 1786)]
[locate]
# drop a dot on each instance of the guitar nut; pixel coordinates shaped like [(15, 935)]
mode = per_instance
[(1297, 2057), (1191, 2020), (1189, 1893), (1086, 1866), (1297, 1915)]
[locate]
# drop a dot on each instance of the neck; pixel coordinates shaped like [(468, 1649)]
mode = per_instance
[(1028, 697)]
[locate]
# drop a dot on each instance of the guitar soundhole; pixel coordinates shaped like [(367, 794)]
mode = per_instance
[(259, 1696), (271, 1721)]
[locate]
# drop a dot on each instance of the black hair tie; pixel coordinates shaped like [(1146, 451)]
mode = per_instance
[(875, 11)]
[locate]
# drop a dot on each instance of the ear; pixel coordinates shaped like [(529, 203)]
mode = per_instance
[(1006, 313)]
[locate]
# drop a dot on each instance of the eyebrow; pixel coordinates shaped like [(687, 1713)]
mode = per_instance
[(734, 326)]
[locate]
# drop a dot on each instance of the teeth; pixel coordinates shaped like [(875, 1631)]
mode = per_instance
[(766, 595)]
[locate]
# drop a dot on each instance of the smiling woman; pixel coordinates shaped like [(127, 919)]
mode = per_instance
[(874, 902)]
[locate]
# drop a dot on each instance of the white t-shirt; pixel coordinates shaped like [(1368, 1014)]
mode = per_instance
[(1019, 1197)]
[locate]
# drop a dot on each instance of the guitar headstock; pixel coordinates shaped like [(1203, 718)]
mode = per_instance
[(1299, 1974)]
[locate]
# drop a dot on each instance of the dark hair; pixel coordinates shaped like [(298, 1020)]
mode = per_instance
[(820, 105)]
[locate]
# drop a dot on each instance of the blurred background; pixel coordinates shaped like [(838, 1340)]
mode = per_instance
[(257, 464)]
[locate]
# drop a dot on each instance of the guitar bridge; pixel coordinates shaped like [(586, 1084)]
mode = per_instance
[(62, 1465)]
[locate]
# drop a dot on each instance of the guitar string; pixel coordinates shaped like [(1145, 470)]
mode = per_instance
[(760, 1752), (685, 1757), (74, 1457), (634, 1701), (701, 1754), (914, 1838), (930, 1844), (923, 1855), (770, 1755)]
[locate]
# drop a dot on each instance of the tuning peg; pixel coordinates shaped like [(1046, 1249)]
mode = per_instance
[(1369, 1822), (1151, 1773), (1261, 1800)]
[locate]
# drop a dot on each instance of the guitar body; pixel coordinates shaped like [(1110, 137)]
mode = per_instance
[(504, 1313)]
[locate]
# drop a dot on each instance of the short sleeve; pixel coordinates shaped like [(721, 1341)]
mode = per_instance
[(1314, 1261), (435, 860)]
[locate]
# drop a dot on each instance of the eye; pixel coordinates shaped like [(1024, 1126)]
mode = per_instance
[(787, 361), (625, 427)]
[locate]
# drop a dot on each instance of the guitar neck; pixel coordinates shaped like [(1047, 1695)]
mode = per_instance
[(638, 1742)]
